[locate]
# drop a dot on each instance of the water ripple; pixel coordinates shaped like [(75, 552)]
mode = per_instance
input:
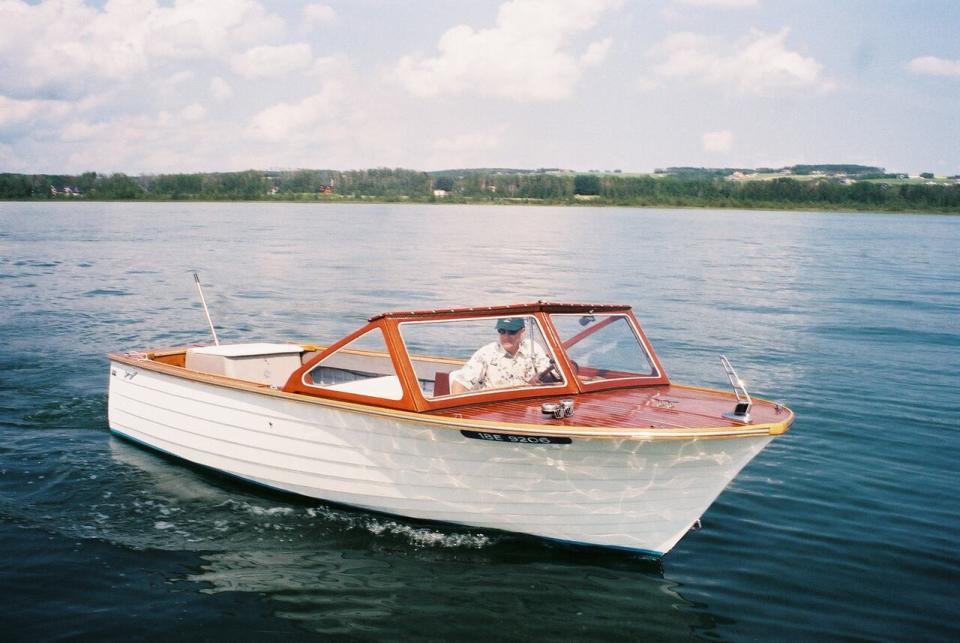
[(845, 528)]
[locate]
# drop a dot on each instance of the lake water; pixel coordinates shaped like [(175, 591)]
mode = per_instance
[(847, 527)]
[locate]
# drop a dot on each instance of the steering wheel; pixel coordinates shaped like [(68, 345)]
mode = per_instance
[(550, 375)]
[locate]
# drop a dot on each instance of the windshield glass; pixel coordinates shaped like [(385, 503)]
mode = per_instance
[(460, 356), (603, 347)]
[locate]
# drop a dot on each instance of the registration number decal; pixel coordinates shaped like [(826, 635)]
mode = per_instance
[(515, 439)]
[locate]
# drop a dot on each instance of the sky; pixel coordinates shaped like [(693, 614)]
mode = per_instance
[(150, 87)]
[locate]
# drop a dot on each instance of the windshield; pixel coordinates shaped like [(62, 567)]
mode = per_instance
[(603, 347), (461, 356), (362, 367)]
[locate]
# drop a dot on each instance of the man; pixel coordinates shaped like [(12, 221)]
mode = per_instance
[(505, 363)]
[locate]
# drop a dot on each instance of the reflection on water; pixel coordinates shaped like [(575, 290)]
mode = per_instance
[(459, 594), (338, 571)]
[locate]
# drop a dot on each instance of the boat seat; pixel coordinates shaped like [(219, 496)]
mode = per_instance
[(386, 386), (441, 384)]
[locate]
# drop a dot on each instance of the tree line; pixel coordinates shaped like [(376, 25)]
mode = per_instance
[(386, 184)]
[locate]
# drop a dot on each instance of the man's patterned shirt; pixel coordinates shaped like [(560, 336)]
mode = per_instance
[(493, 367)]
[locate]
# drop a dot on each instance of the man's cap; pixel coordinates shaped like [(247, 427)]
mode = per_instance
[(510, 323)]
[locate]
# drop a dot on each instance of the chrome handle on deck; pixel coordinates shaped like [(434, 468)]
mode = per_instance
[(741, 412)]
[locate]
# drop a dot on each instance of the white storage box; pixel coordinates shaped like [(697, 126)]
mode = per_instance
[(263, 363)]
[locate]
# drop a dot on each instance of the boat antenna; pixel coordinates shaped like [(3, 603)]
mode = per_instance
[(203, 301)]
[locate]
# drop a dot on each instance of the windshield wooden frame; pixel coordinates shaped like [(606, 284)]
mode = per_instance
[(413, 398), (658, 378)]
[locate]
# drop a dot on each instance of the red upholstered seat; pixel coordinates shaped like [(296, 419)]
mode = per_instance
[(441, 384)]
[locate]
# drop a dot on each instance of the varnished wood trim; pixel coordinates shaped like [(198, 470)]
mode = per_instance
[(501, 311)]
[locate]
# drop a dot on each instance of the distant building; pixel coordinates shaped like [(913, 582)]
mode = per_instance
[(440, 194)]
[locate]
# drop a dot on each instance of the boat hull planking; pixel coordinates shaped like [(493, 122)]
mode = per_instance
[(639, 494)]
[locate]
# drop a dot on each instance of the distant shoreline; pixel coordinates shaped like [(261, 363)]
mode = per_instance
[(758, 207), (833, 188)]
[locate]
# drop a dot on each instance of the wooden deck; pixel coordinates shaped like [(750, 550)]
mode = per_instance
[(666, 407)]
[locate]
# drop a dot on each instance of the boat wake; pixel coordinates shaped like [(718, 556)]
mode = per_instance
[(420, 537), (134, 499)]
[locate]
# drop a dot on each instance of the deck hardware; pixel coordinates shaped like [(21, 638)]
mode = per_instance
[(559, 410), (662, 403), (741, 412)]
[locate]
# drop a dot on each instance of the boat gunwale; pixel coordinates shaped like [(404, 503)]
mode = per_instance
[(146, 361)]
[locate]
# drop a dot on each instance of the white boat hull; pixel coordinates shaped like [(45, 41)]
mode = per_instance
[(641, 495)]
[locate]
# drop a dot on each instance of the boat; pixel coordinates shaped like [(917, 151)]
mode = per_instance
[(592, 445)]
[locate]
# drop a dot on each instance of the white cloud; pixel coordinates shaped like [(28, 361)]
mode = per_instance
[(193, 112), (470, 142), (933, 66), (319, 14), (174, 83), (596, 52), (273, 61), (680, 9), (329, 66), (479, 148), (720, 141), (11, 161), (757, 64), (128, 85), (122, 41), (179, 78), (150, 86), (13, 111), (721, 4), (81, 131), (220, 89), (306, 118), (163, 141), (527, 56)]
